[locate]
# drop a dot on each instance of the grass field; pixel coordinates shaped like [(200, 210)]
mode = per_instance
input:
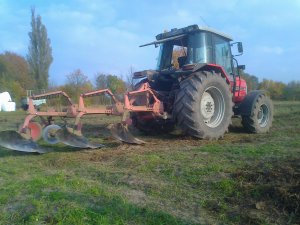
[(241, 179)]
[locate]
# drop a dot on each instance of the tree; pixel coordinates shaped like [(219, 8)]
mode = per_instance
[(116, 85), (16, 91), (129, 79), (274, 88), (14, 67), (292, 91), (101, 81), (39, 51), (14, 75), (76, 84), (251, 80), (112, 82)]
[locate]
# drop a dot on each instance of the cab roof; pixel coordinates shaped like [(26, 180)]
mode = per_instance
[(177, 33)]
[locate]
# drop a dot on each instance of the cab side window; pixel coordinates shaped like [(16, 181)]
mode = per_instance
[(222, 53)]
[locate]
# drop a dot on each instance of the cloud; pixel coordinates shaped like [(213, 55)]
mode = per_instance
[(14, 45), (61, 13), (237, 31), (128, 24), (271, 50), (3, 8), (13, 33), (93, 47)]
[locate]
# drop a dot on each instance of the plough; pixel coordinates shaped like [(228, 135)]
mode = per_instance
[(25, 139)]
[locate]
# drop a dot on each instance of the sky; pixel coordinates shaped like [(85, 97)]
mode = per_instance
[(102, 36)]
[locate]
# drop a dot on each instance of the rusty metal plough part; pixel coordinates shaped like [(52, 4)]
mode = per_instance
[(141, 100), (30, 131)]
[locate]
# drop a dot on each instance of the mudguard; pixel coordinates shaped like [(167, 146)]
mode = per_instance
[(212, 67), (247, 105)]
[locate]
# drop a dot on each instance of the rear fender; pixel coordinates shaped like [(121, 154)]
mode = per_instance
[(247, 105), (212, 67)]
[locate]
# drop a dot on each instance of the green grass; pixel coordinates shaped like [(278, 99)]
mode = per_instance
[(171, 180)]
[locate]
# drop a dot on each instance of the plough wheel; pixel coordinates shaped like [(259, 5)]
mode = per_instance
[(33, 131), (49, 134)]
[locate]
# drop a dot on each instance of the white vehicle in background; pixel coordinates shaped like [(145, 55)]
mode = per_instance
[(6, 103)]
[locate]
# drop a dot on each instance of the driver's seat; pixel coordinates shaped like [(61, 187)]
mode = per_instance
[(181, 61)]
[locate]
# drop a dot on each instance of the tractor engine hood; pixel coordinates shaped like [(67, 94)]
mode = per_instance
[(152, 74), (145, 74)]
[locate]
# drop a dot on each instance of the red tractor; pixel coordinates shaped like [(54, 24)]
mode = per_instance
[(196, 86)]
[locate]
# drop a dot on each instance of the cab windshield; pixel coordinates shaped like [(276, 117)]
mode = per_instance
[(200, 47)]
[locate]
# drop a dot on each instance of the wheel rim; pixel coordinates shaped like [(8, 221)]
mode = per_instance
[(35, 130), (263, 115), (212, 107), (32, 131), (49, 134)]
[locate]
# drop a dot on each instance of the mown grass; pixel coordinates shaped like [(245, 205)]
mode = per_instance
[(241, 179)]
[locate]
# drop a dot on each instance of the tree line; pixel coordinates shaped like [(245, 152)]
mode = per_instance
[(16, 77), (77, 83), (276, 89)]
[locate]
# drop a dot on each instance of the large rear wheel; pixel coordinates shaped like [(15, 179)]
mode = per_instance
[(203, 105)]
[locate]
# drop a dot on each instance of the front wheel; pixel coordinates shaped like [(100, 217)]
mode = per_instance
[(203, 105), (261, 118)]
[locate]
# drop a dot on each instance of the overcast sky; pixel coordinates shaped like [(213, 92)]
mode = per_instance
[(103, 36)]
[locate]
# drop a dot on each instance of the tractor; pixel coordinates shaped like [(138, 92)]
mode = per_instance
[(198, 87)]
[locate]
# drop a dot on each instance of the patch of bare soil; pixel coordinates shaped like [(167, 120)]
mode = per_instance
[(98, 129), (155, 142), (269, 189), (171, 140)]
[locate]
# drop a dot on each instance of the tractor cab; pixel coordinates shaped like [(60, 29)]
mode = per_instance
[(181, 50), (199, 46), (194, 45)]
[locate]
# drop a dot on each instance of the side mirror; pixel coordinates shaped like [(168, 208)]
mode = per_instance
[(241, 67), (240, 47)]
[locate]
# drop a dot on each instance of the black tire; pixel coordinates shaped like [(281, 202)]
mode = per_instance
[(154, 127), (261, 118), (25, 107), (211, 121), (49, 134)]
